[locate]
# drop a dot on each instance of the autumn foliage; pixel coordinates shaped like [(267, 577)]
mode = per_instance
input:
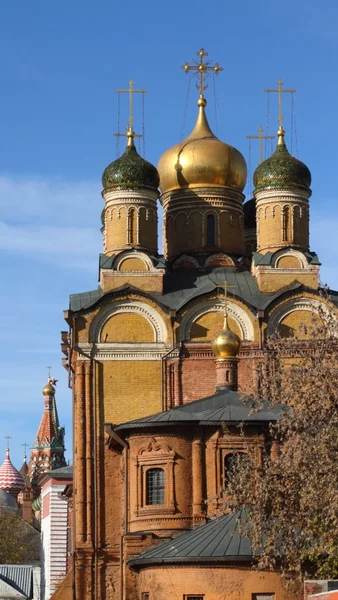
[(292, 495)]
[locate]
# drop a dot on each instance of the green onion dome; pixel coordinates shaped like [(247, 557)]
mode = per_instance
[(281, 170), (130, 170)]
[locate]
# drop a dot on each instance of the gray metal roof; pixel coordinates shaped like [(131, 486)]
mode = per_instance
[(181, 287), (19, 578), (226, 406), (67, 471), (219, 540)]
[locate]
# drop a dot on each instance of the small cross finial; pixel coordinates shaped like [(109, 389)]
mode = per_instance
[(8, 437), (261, 137), (49, 370), (226, 287), (25, 446), (130, 91), (202, 70), (280, 91)]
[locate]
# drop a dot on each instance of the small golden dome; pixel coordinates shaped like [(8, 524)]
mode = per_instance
[(202, 160), (227, 343), (48, 390)]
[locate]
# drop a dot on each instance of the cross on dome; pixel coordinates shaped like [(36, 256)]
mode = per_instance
[(202, 70), (280, 91)]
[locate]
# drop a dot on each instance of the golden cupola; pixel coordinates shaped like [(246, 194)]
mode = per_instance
[(226, 344), (226, 347), (202, 160), (201, 183)]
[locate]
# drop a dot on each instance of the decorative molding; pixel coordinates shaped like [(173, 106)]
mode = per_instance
[(290, 252), (292, 305), (132, 254), (127, 306), (236, 312), (108, 351)]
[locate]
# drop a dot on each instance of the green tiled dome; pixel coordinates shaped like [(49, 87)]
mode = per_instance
[(130, 171), (281, 170)]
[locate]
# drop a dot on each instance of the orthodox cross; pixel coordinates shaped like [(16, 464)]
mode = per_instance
[(260, 137), (202, 69), (280, 91), (25, 446), (226, 287), (8, 437), (130, 91), (49, 370)]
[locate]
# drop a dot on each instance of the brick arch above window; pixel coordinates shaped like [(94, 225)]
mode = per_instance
[(127, 306)]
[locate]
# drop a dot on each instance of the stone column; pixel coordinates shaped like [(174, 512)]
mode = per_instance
[(79, 453), (89, 451), (197, 478)]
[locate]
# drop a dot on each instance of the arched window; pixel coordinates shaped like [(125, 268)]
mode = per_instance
[(211, 230), (231, 463), (155, 486)]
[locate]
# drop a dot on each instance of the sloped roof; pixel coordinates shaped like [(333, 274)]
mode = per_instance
[(16, 581), (225, 406), (10, 478), (182, 286), (219, 540)]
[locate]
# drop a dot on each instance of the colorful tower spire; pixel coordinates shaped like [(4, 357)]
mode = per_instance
[(48, 450), (10, 479)]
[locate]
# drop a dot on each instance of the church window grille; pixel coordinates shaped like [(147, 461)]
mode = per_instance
[(155, 486), (211, 228), (263, 596), (192, 597)]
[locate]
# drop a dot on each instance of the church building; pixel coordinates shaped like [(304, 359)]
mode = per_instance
[(160, 358)]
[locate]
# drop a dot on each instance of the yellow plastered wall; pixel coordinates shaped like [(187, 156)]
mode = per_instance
[(128, 328), (232, 233), (207, 326), (130, 389), (271, 280), (133, 264), (299, 323), (116, 229), (289, 262), (148, 229)]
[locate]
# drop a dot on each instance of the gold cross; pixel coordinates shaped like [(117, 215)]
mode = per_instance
[(226, 287), (260, 137), (8, 437), (131, 91), (202, 69), (26, 446), (280, 93)]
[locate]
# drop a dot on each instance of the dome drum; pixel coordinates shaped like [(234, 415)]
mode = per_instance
[(201, 181), (130, 191), (212, 222)]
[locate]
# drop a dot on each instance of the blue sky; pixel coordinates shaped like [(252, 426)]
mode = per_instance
[(59, 66)]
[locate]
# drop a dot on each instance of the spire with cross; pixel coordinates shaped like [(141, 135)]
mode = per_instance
[(202, 69), (260, 137), (25, 451), (280, 91), (7, 437), (130, 130)]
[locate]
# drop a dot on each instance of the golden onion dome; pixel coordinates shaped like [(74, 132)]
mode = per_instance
[(226, 344), (202, 160), (48, 390)]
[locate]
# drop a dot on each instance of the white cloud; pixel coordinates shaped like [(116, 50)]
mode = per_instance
[(38, 200), (51, 221)]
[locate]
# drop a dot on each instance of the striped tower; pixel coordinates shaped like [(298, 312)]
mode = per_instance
[(10, 479)]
